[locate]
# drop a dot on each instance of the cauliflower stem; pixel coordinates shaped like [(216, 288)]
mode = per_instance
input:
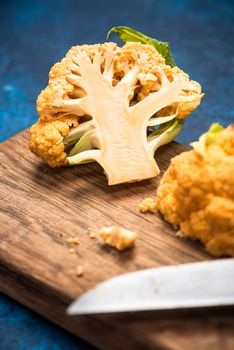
[(125, 153)]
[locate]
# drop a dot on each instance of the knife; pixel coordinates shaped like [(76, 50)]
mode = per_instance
[(193, 285)]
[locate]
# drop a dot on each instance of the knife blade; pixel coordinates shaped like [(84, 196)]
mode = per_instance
[(193, 285)]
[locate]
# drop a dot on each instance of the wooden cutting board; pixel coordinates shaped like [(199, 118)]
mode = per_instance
[(42, 207)]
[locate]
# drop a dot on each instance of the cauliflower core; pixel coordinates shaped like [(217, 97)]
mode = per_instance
[(114, 105), (118, 237), (197, 193)]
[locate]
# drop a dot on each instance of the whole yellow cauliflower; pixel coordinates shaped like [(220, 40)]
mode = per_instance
[(197, 191), (114, 105)]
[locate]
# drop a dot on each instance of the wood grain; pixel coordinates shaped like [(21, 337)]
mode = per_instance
[(42, 207)]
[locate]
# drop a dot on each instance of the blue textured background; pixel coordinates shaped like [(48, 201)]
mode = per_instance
[(35, 34)]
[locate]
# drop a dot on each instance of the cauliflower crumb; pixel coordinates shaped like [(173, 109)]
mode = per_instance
[(148, 204), (72, 250), (118, 237), (92, 235), (73, 240), (196, 194), (79, 271)]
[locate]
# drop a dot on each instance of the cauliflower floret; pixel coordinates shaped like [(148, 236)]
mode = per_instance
[(98, 101), (183, 109), (46, 140), (196, 193), (118, 237)]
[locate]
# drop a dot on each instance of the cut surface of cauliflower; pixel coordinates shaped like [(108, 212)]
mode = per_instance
[(114, 105), (197, 192)]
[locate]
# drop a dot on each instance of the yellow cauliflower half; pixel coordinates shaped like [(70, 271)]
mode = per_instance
[(114, 105), (197, 191)]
